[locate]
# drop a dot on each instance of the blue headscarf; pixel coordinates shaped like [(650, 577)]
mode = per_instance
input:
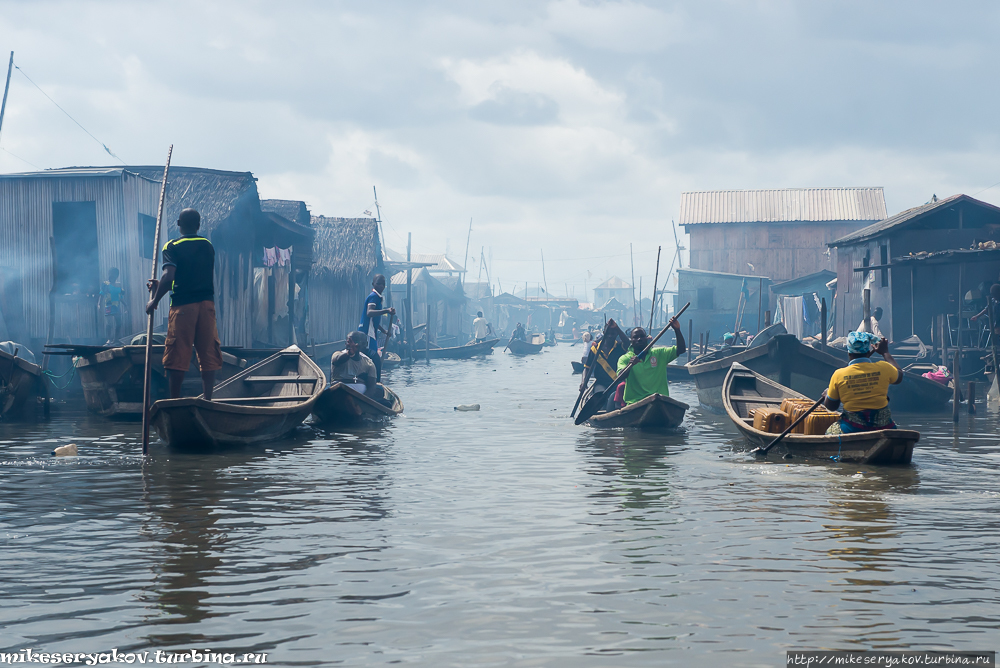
[(860, 343)]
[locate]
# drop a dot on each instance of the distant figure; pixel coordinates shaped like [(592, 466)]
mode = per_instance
[(481, 328), (994, 302), (873, 322), (518, 334), (863, 386), (112, 299), (649, 375), (189, 275), (371, 319)]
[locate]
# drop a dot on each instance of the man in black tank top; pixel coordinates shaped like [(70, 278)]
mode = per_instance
[(189, 274)]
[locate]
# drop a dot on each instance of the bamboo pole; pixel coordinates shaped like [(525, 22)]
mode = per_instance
[(656, 279), (3, 105), (149, 325)]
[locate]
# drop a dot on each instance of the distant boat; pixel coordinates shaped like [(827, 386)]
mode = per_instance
[(654, 412), (260, 404), (465, 352), (519, 347), (340, 404), (745, 391)]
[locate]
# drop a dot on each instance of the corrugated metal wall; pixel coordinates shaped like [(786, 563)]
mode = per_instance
[(335, 306), (26, 229)]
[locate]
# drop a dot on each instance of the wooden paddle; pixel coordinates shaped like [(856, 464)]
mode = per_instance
[(594, 404), (762, 452), (149, 326), (609, 335)]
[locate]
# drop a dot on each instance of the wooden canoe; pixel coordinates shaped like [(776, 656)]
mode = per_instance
[(112, 379), (21, 384), (654, 412), (340, 404), (519, 347), (458, 352), (578, 367), (262, 403), (390, 360), (746, 391)]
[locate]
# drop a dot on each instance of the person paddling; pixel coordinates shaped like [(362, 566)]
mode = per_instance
[(371, 319), (649, 375), (863, 386)]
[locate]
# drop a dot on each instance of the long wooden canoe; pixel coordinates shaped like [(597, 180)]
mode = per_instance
[(262, 403), (112, 379), (21, 384), (390, 360), (458, 352), (654, 412), (746, 391), (340, 404), (519, 347)]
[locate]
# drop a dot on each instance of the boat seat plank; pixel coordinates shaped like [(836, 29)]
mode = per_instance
[(279, 379), (262, 400)]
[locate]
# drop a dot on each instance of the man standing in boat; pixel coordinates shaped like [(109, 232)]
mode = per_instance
[(371, 321), (481, 328), (863, 386), (649, 375), (189, 275)]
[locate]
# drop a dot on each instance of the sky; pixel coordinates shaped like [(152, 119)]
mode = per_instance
[(566, 128)]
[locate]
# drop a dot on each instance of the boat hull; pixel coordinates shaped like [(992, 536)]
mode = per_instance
[(21, 384), (262, 403), (459, 352), (578, 367), (746, 391), (519, 347), (339, 404), (654, 412)]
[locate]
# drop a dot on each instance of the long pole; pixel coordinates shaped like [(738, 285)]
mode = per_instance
[(760, 302), (544, 280), (465, 262), (957, 398), (3, 106), (149, 325), (635, 312), (409, 298), (656, 279)]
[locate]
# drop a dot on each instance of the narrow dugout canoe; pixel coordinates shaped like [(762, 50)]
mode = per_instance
[(390, 360), (654, 412), (458, 352), (112, 379), (519, 347), (21, 384), (262, 403), (745, 391), (340, 404)]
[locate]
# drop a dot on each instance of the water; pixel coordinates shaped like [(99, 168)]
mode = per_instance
[(506, 537)]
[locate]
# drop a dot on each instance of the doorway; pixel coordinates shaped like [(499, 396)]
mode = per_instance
[(74, 239)]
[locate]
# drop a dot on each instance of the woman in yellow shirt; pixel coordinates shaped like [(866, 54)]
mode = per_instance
[(863, 386)]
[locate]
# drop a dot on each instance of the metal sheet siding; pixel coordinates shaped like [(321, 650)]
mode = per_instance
[(779, 206)]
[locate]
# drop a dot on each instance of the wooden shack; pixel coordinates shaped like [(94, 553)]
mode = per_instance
[(717, 299), (913, 293), (781, 234), (614, 288), (347, 255), (281, 273)]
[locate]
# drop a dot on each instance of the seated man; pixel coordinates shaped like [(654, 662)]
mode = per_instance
[(873, 323), (518, 333), (649, 375), (863, 387), (356, 370)]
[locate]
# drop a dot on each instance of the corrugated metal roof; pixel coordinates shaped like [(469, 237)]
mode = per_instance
[(782, 206), (905, 217)]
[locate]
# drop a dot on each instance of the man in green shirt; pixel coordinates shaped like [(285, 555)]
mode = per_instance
[(649, 375)]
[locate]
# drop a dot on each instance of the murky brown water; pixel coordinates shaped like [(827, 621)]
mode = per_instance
[(497, 538)]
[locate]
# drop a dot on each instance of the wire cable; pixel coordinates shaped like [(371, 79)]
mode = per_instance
[(103, 145)]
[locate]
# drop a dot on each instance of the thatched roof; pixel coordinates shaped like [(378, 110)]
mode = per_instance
[(292, 210), (227, 201), (343, 248)]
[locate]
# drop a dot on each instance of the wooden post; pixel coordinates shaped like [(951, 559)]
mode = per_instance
[(708, 334), (957, 396), (409, 300), (760, 302), (993, 339), (701, 343), (866, 310), (822, 320), (971, 392), (3, 105), (149, 325), (690, 342), (767, 318), (291, 295), (427, 335)]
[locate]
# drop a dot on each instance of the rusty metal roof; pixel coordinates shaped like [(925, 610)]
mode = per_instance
[(814, 205)]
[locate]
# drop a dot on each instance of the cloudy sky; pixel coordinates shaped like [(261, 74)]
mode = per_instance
[(569, 127)]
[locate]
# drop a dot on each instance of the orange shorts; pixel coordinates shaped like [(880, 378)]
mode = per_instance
[(192, 326)]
